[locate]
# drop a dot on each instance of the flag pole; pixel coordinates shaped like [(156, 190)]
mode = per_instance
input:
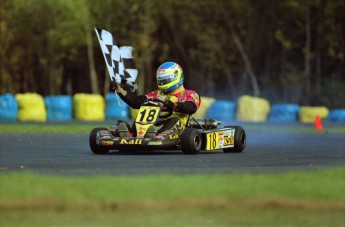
[(117, 97)]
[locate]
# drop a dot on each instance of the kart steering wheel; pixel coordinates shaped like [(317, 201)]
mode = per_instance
[(163, 113)]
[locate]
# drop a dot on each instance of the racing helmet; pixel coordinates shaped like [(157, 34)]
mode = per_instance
[(169, 76)]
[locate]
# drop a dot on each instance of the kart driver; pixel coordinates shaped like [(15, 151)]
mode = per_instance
[(176, 98)]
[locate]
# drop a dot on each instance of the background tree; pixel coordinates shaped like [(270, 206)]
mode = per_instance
[(286, 51)]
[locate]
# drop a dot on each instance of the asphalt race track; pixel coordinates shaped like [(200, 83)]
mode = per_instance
[(69, 154)]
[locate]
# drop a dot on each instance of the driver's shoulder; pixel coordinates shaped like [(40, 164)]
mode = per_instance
[(152, 94), (183, 92), (189, 93)]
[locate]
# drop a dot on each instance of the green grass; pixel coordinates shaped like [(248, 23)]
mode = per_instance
[(288, 199), (86, 127), (204, 217), (49, 128), (324, 184)]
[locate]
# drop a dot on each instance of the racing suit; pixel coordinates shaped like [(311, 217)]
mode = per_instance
[(185, 102)]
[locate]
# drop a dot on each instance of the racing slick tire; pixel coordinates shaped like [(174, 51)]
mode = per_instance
[(191, 141), (239, 140), (95, 148)]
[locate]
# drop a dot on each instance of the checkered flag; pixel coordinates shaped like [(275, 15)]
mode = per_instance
[(119, 61), (130, 71)]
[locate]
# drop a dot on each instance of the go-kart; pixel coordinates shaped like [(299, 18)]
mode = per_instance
[(197, 135)]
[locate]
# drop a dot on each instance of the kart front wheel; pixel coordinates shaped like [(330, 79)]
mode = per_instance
[(239, 140), (95, 148), (191, 141)]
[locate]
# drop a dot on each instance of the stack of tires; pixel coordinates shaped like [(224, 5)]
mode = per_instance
[(8, 108), (113, 110), (31, 107), (252, 109), (337, 115), (284, 113), (307, 114), (88, 107), (59, 108), (222, 110)]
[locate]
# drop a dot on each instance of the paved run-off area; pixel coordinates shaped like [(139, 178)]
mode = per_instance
[(269, 149)]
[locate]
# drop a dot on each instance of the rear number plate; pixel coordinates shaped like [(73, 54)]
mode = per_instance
[(220, 139)]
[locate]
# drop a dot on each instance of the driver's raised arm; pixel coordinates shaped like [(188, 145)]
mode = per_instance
[(134, 101)]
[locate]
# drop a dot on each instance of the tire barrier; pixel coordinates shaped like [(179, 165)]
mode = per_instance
[(284, 113), (337, 115), (91, 107), (307, 114), (252, 109), (222, 110), (59, 108), (206, 102), (88, 107), (8, 108), (112, 108), (31, 107)]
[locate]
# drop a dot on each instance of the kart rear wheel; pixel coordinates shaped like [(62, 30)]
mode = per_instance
[(191, 141), (239, 140), (95, 148)]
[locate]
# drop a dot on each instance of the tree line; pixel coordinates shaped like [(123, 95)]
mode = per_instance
[(288, 51)]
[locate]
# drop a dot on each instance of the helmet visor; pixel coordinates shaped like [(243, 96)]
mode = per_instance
[(165, 79)]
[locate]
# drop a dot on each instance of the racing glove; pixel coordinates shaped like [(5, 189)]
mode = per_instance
[(113, 85), (169, 105), (117, 88)]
